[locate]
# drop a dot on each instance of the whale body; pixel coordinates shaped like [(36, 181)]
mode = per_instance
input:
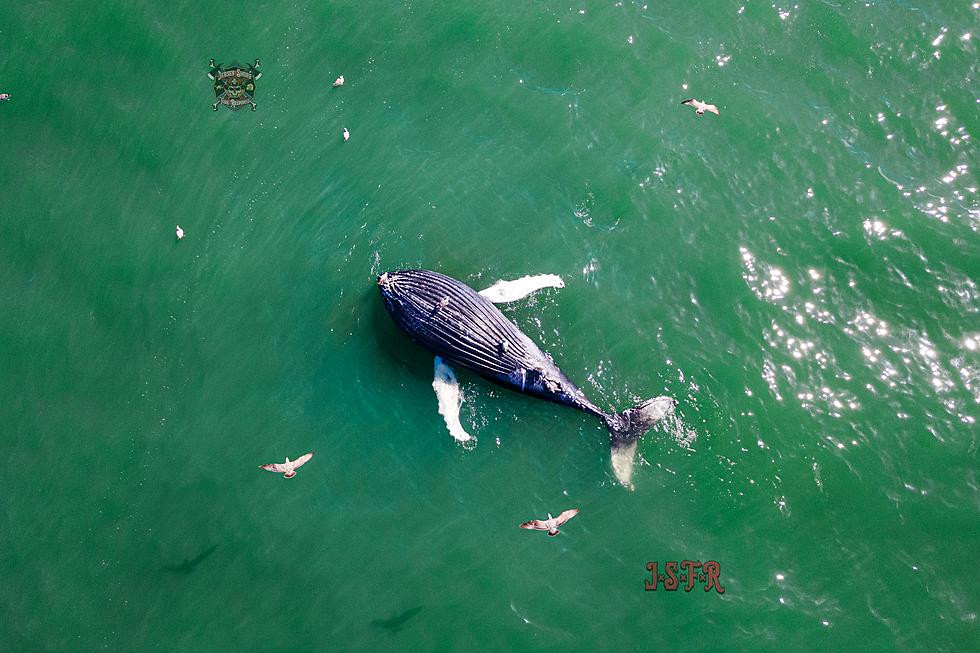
[(453, 321)]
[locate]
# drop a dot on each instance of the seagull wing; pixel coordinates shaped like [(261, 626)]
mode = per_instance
[(535, 524), (691, 101), (302, 460), (565, 516), (274, 467), (712, 108)]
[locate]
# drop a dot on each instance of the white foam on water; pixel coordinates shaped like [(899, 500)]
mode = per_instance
[(509, 291), (450, 399)]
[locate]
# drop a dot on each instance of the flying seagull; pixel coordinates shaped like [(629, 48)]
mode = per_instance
[(700, 107), (339, 81), (550, 524), (180, 232), (288, 468)]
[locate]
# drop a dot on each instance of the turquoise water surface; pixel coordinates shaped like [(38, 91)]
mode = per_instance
[(799, 272)]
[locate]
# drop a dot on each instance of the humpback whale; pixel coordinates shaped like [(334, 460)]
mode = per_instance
[(453, 321)]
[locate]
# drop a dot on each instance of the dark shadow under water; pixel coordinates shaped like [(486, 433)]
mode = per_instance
[(190, 564), (395, 624)]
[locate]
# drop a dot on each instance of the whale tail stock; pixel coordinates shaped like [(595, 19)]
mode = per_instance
[(625, 429)]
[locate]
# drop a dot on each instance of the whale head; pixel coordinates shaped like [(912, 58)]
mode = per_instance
[(411, 294), (408, 296), (386, 284)]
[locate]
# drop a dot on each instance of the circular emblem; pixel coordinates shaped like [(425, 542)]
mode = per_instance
[(234, 85)]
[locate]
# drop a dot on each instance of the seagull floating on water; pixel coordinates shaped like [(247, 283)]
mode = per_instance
[(288, 468), (346, 135), (339, 81), (550, 524), (180, 232), (700, 107), (4, 96)]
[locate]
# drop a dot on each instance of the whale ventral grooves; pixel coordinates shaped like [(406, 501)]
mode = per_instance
[(452, 320), (456, 323)]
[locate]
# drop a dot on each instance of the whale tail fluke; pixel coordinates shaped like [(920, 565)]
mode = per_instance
[(625, 429)]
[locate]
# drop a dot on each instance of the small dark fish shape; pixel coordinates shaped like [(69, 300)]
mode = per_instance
[(397, 622), (190, 564)]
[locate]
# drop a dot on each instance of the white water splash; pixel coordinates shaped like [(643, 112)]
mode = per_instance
[(447, 393)]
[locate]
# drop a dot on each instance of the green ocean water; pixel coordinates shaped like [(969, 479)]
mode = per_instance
[(800, 273)]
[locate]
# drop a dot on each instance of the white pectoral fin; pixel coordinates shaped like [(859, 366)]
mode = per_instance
[(510, 291), (447, 394)]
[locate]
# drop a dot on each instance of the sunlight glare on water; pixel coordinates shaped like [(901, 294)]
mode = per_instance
[(799, 272)]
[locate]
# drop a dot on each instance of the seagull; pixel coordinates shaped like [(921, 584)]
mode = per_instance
[(550, 524), (288, 468), (339, 81), (180, 232), (700, 107), (346, 135), (4, 96)]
